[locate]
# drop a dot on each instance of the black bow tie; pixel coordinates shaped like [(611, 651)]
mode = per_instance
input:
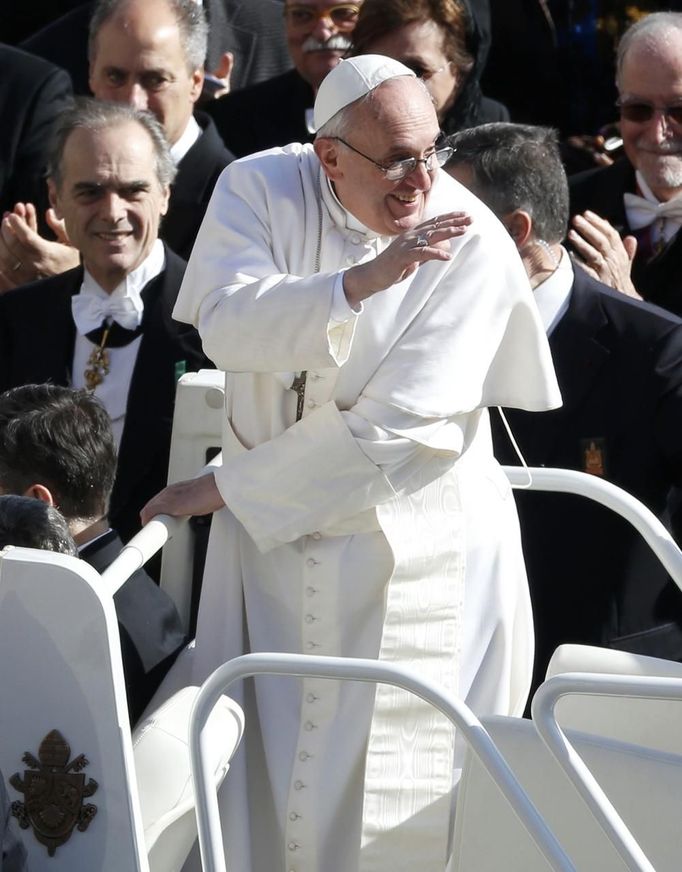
[(117, 336)]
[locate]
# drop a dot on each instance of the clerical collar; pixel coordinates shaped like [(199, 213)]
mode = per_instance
[(552, 295), (340, 215), (192, 132), (131, 286)]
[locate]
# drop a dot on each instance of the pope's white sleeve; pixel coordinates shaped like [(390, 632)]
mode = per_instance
[(331, 466)]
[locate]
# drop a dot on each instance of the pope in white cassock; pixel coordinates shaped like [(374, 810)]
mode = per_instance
[(368, 518)]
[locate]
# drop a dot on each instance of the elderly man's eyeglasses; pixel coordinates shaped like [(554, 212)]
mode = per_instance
[(640, 111), (344, 16), (398, 169)]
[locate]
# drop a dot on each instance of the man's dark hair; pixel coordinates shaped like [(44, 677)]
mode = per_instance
[(517, 166), (61, 438), (190, 18), (29, 523)]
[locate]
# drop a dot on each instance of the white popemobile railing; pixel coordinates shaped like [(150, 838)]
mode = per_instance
[(349, 669), (610, 495), (659, 539)]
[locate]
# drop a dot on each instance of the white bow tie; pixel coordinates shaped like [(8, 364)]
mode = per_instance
[(89, 311), (642, 212)]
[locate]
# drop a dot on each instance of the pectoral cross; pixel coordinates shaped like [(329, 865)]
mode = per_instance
[(98, 363), (298, 385)]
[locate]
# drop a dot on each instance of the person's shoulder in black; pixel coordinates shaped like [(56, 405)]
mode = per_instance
[(149, 625)]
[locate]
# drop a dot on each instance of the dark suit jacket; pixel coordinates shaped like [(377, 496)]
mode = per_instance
[(658, 279), (253, 30), (32, 94), (148, 622), (37, 336), (198, 172), (265, 115), (593, 579)]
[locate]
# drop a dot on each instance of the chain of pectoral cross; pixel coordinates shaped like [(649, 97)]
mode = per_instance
[(298, 385)]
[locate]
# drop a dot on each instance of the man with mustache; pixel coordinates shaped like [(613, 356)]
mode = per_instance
[(279, 110), (106, 325), (639, 198)]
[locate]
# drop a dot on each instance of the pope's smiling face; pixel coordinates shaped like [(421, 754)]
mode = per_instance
[(110, 198), (398, 122)]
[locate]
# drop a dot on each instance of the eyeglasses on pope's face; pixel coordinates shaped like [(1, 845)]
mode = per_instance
[(344, 15), (399, 169), (641, 111)]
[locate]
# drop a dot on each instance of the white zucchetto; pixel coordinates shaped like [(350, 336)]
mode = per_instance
[(351, 79)]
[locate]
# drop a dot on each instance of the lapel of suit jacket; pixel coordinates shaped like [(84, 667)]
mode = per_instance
[(54, 356), (609, 197), (145, 409), (578, 357)]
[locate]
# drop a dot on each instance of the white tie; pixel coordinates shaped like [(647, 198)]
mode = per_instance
[(642, 212), (89, 311)]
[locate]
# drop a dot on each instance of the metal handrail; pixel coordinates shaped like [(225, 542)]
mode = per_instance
[(144, 545), (542, 708), (613, 497), (353, 669)]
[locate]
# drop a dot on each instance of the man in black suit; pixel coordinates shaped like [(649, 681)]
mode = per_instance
[(640, 196), (149, 54), (107, 325), (57, 446), (279, 110), (619, 366), (32, 94)]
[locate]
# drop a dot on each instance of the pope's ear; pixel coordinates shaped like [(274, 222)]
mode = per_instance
[(327, 151)]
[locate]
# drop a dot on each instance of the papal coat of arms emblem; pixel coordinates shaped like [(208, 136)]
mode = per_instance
[(54, 790)]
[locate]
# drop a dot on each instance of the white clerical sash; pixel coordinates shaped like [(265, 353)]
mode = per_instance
[(409, 771)]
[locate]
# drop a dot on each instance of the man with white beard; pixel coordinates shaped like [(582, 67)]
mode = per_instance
[(280, 110), (364, 328), (639, 198)]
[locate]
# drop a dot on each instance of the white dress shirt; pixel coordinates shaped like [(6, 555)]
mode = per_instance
[(192, 132), (553, 294), (113, 391)]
